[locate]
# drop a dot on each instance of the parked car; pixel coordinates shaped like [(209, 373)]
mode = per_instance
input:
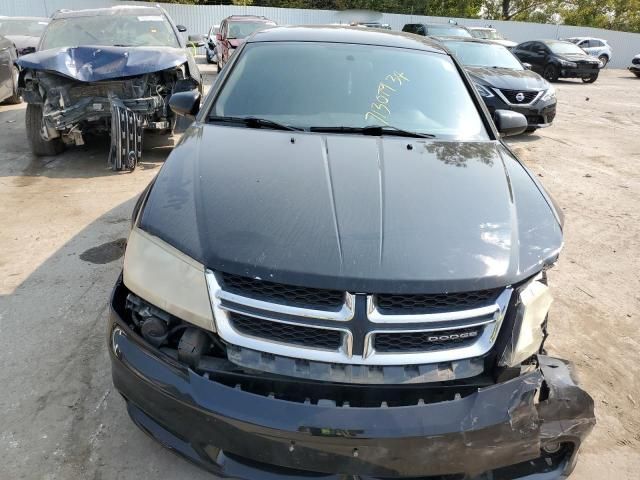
[(490, 33), (555, 59), (345, 275), (384, 26), (24, 32), (437, 29), (635, 66), (106, 70), (596, 47), (8, 72), (233, 32), (504, 83), (210, 44)]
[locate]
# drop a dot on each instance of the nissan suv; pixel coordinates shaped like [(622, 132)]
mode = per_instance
[(341, 272)]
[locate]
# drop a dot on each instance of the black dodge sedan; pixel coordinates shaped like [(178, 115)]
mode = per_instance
[(341, 272), (555, 59), (504, 83)]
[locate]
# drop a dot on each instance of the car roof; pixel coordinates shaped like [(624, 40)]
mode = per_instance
[(587, 38), (35, 19), (437, 24), (248, 18), (346, 34), (491, 29), (117, 10)]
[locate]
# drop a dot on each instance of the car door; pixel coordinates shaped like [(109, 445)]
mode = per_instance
[(6, 68), (587, 46), (523, 52), (538, 56)]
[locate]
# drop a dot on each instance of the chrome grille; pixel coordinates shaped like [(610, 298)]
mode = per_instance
[(511, 96), (287, 332), (279, 293), (368, 330), (393, 303)]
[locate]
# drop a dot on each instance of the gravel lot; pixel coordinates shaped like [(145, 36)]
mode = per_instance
[(64, 220)]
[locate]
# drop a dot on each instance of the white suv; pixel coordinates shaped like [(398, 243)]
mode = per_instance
[(596, 47)]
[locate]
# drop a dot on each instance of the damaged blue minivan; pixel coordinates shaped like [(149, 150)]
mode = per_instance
[(105, 71)]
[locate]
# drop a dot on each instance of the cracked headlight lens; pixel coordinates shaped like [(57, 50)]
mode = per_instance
[(532, 307), (167, 278)]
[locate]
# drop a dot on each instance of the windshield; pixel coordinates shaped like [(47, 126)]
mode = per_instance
[(113, 30), (564, 48), (316, 85), (473, 54), (31, 28), (487, 34), (446, 31), (244, 29)]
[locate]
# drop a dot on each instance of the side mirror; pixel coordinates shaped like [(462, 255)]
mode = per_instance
[(509, 123), (185, 103), (527, 66), (181, 28), (219, 37)]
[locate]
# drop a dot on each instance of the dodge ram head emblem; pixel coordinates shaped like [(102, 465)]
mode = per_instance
[(520, 96)]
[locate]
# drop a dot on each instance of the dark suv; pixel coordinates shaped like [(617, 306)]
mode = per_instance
[(341, 272), (233, 32)]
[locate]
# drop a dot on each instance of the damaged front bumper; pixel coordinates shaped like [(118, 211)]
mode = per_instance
[(498, 432)]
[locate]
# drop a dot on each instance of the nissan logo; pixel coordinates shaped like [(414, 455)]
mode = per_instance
[(520, 96)]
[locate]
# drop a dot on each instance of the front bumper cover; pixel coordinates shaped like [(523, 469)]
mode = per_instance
[(540, 114), (243, 435)]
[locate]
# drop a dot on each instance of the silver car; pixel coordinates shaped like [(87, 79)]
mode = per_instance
[(596, 47)]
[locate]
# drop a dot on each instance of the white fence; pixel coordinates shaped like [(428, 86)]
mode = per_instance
[(199, 18)]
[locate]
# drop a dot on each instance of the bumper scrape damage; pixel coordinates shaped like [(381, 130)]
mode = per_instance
[(245, 424)]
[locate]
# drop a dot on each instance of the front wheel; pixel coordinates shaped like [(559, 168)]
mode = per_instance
[(550, 73), (39, 146), (14, 99), (590, 79), (604, 59)]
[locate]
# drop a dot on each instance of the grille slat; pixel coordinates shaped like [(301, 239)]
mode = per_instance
[(398, 342), (434, 303), (511, 95), (287, 333), (284, 294)]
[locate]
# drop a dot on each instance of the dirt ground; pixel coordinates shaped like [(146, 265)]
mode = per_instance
[(63, 220)]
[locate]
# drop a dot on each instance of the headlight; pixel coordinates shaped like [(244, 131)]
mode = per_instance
[(483, 91), (532, 308), (167, 278), (565, 63), (549, 94)]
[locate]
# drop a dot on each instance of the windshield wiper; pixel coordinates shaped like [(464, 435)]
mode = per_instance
[(253, 122), (374, 130)]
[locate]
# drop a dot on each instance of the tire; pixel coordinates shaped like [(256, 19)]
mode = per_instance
[(40, 146), (15, 98), (550, 73), (604, 59), (590, 79)]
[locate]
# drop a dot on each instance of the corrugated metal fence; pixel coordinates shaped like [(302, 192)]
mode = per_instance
[(199, 18)]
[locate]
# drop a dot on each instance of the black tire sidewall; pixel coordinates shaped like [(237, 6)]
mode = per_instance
[(554, 69)]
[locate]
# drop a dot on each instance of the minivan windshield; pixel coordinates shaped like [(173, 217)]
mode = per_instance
[(28, 27), (472, 54), (112, 30), (314, 85), (565, 48)]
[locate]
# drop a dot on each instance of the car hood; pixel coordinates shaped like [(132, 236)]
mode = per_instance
[(23, 41), (508, 79), (353, 212), (579, 57), (95, 63)]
